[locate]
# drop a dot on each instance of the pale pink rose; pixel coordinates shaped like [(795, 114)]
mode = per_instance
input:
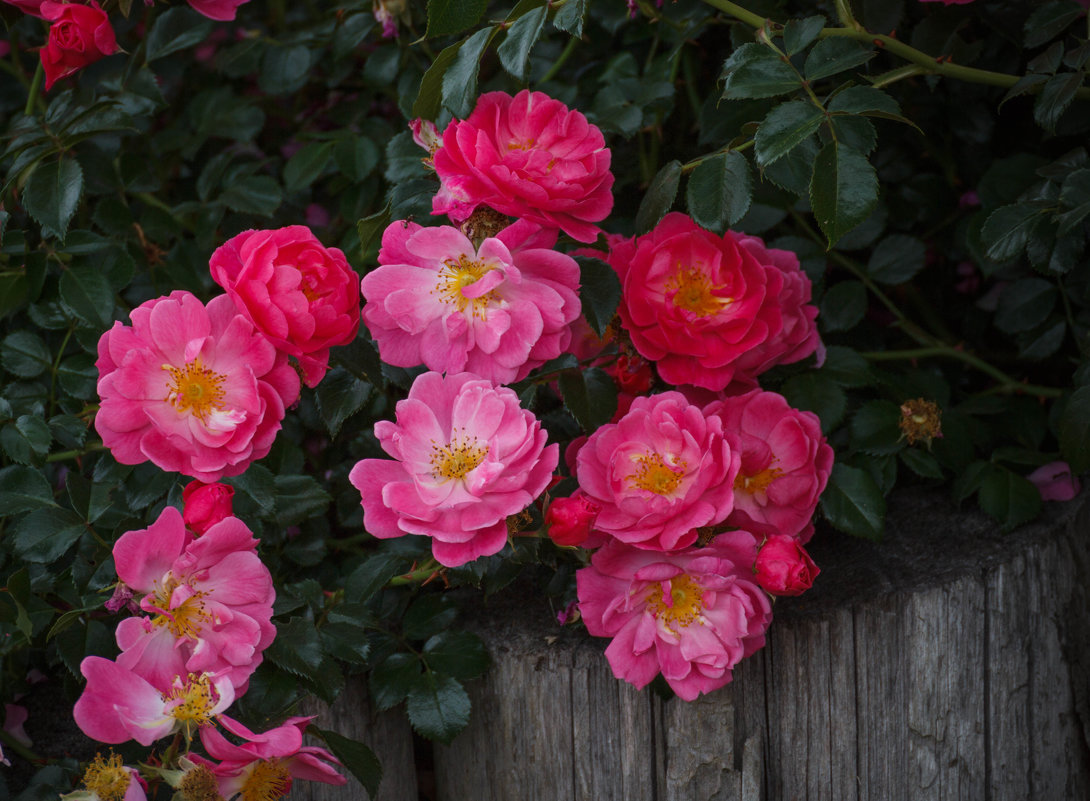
[(190, 388), (691, 615), (300, 294), (204, 505), (219, 10), (499, 311), (210, 601), (659, 473), (696, 303), (783, 567), (118, 705), (1055, 482), (785, 462), (467, 456), (526, 156)]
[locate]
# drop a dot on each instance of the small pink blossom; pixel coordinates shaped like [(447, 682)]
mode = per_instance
[(300, 294), (466, 457), (499, 310), (427, 136), (783, 567), (690, 615), (110, 780), (1055, 482), (219, 10), (191, 388), (659, 473), (529, 157), (15, 715), (204, 505), (385, 17)]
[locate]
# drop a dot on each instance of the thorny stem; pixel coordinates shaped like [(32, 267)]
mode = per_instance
[(420, 574), (565, 54), (1009, 383), (61, 456), (689, 166)]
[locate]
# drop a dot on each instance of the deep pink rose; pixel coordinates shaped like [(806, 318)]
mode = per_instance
[(693, 615), (191, 388), (570, 521), (526, 156), (300, 294), (219, 10), (659, 473), (80, 34), (783, 567), (785, 464), (466, 457), (1055, 482), (695, 303), (204, 505)]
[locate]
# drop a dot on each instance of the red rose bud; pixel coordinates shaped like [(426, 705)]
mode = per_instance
[(569, 520), (632, 374), (205, 505), (783, 567), (80, 34)]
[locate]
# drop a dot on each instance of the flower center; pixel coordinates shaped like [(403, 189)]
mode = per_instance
[(196, 389), (518, 144), (654, 475), (196, 700), (107, 778), (455, 275), (456, 459), (187, 618), (694, 292), (677, 602), (759, 482), (268, 781)]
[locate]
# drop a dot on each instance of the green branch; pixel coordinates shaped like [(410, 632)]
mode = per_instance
[(1009, 383)]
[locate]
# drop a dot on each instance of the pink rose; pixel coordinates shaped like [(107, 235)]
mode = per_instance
[(526, 156), (1055, 482), (191, 388), (692, 615), (111, 780), (785, 462), (301, 295), (783, 567), (499, 310), (570, 521), (467, 456), (659, 473), (219, 10), (204, 505), (696, 303), (80, 34)]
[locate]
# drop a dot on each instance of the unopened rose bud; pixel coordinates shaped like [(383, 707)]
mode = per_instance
[(205, 505), (783, 567), (570, 520), (1055, 482)]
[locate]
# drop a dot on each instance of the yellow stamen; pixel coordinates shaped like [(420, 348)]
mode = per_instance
[(758, 482), (456, 459), (198, 699), (185, 620), (107, 778), (457, 274), (654, 475), (677, 602), (694, 292), (268, 781), (195, 388)]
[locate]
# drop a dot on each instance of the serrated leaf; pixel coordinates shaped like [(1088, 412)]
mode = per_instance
[(659, 198), (570, 17), (843, 191), (1007, 228), (1025, 304), (297, 647), (921, 463), (1009, 498), (428, 615), (833, 55), (1054, 99), (460, 79), (875, 428), (284, 69), (897, 259), (600, 292), (817, 393), (340, 395), (24, 354), (346, 642), (1074, 430), (255, 194), (438, 708), (719, 191), (429, 98), (356, 156), (448, 17), (44, 535), (755, 71), (52, 194), (853, 503), (174, 30), (1050, 19), (26, 440), (514, 52), (794, 171), (864, 100), (460, 654), (78, 376), (23, 489), (392, 679), (590, 395), (786, 127), (843, 306), (299, 497), (372, 575), (856, 132), (846, 367), (259, 484), (798, 33), (370, 227), (357, 757), (304, 167), (85, 290)]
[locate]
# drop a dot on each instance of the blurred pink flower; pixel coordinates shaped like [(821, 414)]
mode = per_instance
[(220, 10), (467, 456), (1055, 482), (692, 615), (191, 388)]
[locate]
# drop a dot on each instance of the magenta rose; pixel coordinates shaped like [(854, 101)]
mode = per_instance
[(526, 156), (300, 294), (570, 521), (79, 35), (691, 615), (659, 473), (783, 567), (204, 505), (696, 303), (219, 10)]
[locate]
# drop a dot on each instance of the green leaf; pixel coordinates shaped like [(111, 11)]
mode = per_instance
[(438, 708), (78, 376), (719, 191), (1074, 195), (176, 29), (284, 69), (514, 53), (370, 227), (856, 132), (921, 463), (258, 483), (798, 33), (25, 354), (304, 167), (843, 190), (864, 100), (843, 306), (392, 679), (460, 79), (659, 198), (45, 535), (875, 428), (87, 293), (1042, 343), (833, 55), (256, 194), (340, 395), (853, 503), (1009, 498), (897, 259), (786, 127), (356, 156), (600, 292), (846, 367), (297, 647), (346, 641), (448, 17), (754, 71), (794, 171), (460, 654), (1025, 304), (1050, 19), (27, 439), (1054, 99), (52, 193), (590, 395), (23, 489), (372, 575), (299, 497), (570, 17), (357, 757), (427, 616), (429, 99), (1007, 228), (1074, 430), (817, 393)]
